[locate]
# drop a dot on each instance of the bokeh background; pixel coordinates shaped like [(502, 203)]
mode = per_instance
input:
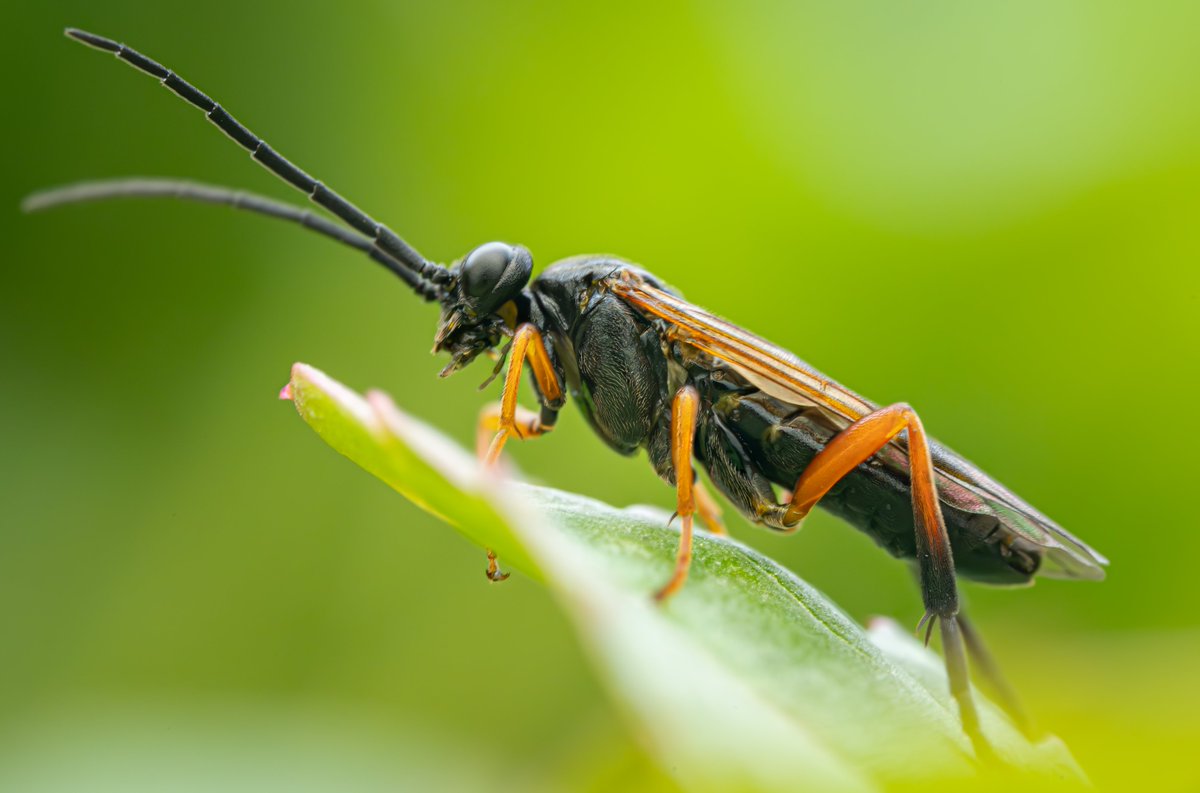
[(987, 210)]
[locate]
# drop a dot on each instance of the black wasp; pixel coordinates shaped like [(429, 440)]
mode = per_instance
[(652, 371)]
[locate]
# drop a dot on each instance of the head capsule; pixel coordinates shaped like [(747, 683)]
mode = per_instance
[(478, 309)]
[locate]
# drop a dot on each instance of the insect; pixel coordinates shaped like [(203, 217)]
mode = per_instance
[(653, 372)]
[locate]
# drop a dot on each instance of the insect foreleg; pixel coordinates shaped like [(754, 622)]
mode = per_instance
[(509, 419), (493, 571), (524, 424), (498, 421)]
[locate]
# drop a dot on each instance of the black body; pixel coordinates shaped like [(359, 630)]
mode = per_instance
[(622, 372)]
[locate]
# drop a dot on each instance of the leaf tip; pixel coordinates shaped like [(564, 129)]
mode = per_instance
[(302, 371)]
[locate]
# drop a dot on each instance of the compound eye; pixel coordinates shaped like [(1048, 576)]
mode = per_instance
[(493, 274), (485, 266)]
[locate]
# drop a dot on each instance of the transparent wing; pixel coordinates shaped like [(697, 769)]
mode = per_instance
[(782, 375)]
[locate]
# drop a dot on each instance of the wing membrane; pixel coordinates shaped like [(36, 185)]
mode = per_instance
[(774, 369), (784, 376)]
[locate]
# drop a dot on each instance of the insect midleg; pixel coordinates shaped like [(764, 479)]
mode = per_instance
[(509, 419), (684, 409), (939, 591), (708, 509)]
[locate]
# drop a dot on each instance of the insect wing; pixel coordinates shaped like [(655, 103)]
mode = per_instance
[(773, 369), (1065, 556), (780, 374)]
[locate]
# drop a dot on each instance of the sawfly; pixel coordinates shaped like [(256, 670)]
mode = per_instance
[(652, 372)]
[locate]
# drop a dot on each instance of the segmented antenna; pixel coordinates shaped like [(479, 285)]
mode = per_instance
[(84, 192), (381, 236)]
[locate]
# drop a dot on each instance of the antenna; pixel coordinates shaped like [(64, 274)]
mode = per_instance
[(380, 235), (84, 192)]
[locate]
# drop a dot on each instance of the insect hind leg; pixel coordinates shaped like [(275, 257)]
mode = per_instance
[(939, 589), (985, 663)]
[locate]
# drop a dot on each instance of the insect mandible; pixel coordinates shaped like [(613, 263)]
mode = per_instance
[(653, 372)]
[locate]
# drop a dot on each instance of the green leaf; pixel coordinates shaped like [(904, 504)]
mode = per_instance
[(748, 679)]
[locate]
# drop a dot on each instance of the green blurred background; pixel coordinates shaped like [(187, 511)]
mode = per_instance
[(987, 210)]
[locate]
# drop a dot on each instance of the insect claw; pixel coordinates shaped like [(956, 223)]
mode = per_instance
[(927, 622), (493, 569)]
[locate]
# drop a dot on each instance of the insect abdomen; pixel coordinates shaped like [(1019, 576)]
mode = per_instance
[(781, 440)]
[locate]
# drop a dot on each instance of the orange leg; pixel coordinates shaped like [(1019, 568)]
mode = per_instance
[(525, 424), (683, 431), (493, 568), (509, 419), (498, 421), (854, 446), (709, 510)]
